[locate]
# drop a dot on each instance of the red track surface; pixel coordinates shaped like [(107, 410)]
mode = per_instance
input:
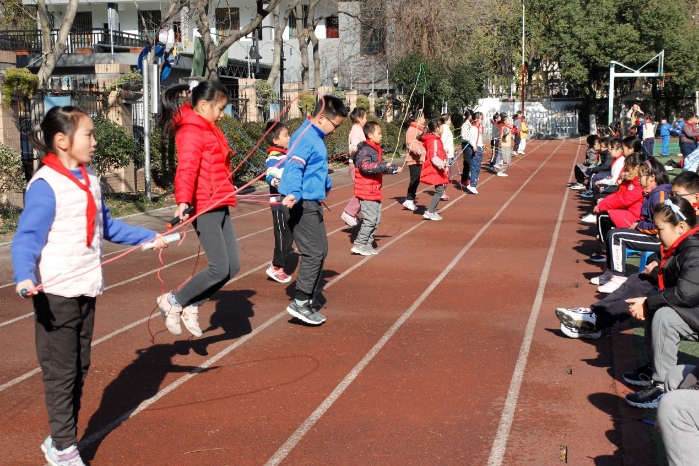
[(413, 365)]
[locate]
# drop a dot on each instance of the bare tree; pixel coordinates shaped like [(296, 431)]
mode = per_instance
[(311, 23), (279, 26), (303, 44), (175, 7), (213, 52), (51, 52)]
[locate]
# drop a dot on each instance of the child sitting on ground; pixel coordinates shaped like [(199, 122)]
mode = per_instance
[(601, 169), (367, 187), (278, 140), (434, 169), (593, 147)]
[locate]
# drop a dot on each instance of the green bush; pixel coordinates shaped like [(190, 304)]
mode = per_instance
[(163, 158), (20, 78), (307, 103), (115, 146), (242, 137), (11, 172), (363, 102)]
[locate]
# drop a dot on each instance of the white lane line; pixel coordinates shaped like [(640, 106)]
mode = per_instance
[(296, 437), (37, 370), (497, 452)]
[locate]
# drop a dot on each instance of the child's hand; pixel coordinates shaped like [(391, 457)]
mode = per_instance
[(26, 285), (595, 209), (649, 268), (399, 169), (637, 307), (180, 209), (275, 182), (159, 242), (289, 201)]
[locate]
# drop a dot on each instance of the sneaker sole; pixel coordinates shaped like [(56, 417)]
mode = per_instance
[(647, 404), (162, 313), (271, 275), (598, 260), (637, 383), (577, 336), (570, 321), (361, 253), (303, 318)]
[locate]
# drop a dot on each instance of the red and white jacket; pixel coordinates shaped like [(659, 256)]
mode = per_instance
[(203, 178), (624, 206), (431, 174)]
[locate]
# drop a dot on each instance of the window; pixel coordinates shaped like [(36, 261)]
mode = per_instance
[(372, 31), (152, 19), (227, 21), (293, 34), (332, 27), (81, 23)]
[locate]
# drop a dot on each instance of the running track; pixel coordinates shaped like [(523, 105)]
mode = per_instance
[(443, 349)]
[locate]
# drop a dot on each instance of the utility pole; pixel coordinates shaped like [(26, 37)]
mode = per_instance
[(523, 66)]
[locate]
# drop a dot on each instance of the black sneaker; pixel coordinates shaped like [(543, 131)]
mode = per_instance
[(640, 377), (649, 397), (305, 313), (599, 257)]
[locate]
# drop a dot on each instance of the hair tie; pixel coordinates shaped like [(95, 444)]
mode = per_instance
[(674, 208), (650, 167)]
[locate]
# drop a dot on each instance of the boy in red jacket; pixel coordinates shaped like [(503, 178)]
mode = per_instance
[(367, 186)]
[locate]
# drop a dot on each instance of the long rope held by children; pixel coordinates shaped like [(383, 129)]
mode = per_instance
[(421, 71)]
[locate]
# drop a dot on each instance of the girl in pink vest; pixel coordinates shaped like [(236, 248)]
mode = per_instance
[(434, 170), (203, 183), (58, 244)]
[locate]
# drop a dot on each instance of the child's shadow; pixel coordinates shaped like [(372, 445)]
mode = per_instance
[(232, 315), (136, 383)]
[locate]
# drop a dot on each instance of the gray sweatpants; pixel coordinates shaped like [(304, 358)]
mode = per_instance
[(63, 338), (308, 228), (438, 191), (217, 237), (678, 419), (667, 329), (371, 218)]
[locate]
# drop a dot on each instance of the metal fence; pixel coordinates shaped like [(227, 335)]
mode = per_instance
[(29, 112), (31, 40), (542, 125)]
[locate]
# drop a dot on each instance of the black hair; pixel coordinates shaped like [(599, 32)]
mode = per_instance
[(443, 119), (330, 106), (497, 117), (57, 120), (689, 116), (688, 181), (591, 140), (171, 100), (433, 125), (476, 116), (632, 142), (652, 167), (356, 114), (613, 143), (634, 160), (666, 214), (273, 130), (467, 114), (370, 128), (606, 141), (413, 116)]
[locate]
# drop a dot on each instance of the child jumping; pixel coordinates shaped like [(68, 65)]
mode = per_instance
[(278, 140), (434, 170), (304, 184), (367, 187), (60, 235), (416, 155), (447, 138), (202, 181)]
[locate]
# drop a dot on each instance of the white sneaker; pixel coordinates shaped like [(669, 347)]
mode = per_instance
[(581, 318), (612, 285), (361, 249), (348, 219), (669, 168), (171, 313), (409, 204), (578, 187), (589, 218), (68, 457), (472, 189), (571, 332), (602, 279), (431, 216), (501, 174), (190, 318)]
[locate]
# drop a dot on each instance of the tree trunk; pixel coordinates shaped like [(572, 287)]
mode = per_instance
[(279, 26), (53, 54), (311, 25), (303, 45)]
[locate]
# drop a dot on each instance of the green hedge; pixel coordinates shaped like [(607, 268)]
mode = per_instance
[(11, 171)]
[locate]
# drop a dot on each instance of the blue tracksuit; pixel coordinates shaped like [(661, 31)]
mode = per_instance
[(665, 135)]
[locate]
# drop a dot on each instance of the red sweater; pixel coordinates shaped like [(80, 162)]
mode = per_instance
[(203, 177), (430, 173), (624, 206)]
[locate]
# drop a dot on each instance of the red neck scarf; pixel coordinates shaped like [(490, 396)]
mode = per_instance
[(416, 126), (52, 161), (376, 147), (667, 254), (271, 149)]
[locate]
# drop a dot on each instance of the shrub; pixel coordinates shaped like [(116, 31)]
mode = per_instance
[(133, 76), (115, 146), (363, 102), (242, 137), (163, 158), (20, 78), (307, 102), (11, 172)]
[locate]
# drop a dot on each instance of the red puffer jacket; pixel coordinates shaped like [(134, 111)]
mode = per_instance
[(368, 176), (430, 173), (203, 177), (624, 206)]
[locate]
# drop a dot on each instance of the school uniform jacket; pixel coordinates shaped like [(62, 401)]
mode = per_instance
[(430, 173), (370, 167), (681, 282), (624, 206), (203, 177), (655, 197)]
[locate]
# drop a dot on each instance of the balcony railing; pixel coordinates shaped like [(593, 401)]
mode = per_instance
[(94, 39)]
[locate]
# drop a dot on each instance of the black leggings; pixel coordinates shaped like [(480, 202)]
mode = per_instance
[(415, 171), (468, 155)]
